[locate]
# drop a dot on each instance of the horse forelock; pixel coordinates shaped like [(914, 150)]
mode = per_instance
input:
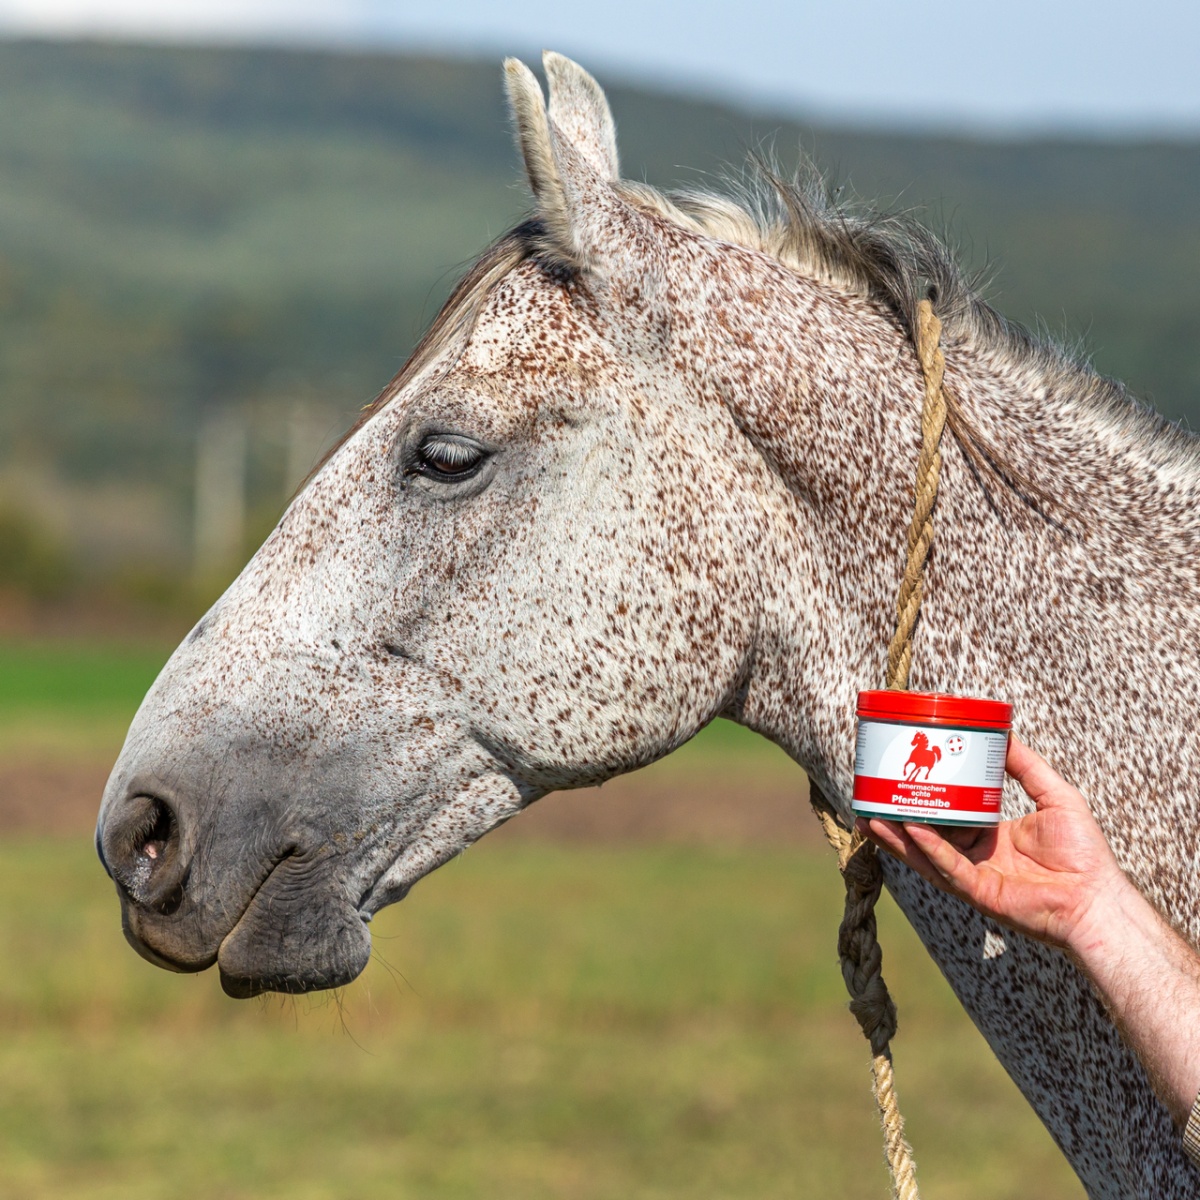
[(453, 323)]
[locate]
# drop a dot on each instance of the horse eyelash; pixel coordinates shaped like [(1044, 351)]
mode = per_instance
[(454, 453), (448, 456)]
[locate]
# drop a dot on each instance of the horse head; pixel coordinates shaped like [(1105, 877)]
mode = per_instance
[(539, 560)]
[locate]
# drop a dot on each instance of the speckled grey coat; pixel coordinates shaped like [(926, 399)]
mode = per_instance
[(653, 464)]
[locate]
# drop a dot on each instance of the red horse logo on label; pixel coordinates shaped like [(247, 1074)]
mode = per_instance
[(923, 758)]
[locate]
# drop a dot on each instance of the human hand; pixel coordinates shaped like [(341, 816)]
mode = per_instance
[(1041, 874)]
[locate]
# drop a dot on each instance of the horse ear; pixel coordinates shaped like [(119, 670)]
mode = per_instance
[(528, 107), (570, 158), (580, 115)]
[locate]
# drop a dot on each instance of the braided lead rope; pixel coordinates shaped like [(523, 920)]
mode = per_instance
[(858, 860)]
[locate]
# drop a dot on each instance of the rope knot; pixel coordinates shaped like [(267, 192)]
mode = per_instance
[(859, 949)]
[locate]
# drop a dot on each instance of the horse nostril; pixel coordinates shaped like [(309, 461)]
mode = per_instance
[(141, 846), (160, 832)]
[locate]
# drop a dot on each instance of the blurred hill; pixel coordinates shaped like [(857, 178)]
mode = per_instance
[(183, 230)]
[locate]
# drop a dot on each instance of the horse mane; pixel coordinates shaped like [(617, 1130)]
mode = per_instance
[(888, 257), (894, 260)]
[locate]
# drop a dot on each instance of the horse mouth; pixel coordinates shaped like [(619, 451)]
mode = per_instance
[(299, 931), (182, 966)]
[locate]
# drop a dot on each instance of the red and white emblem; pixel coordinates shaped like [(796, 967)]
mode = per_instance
[(955, 745)]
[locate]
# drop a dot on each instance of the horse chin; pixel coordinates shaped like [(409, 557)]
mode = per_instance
[(300, 933)]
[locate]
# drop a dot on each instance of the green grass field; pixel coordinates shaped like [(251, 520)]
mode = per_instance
[(55, 678), (70, 698), (537, 1021)]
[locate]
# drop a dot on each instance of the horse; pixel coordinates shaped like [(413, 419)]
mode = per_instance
[(922, 758), (652, 464)]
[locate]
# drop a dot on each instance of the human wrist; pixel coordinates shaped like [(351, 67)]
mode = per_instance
[(1113, 913)]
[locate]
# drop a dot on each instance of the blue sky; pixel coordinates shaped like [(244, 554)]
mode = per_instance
[(1017, 66)]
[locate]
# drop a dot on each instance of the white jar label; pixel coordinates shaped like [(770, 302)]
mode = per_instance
[(929, 773)]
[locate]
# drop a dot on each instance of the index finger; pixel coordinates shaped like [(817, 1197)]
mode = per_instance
[(939, 865)]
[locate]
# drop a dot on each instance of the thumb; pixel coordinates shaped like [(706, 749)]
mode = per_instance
[(1040, 781)]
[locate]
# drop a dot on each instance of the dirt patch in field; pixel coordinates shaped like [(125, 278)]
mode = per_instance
[(716, 805), (700, 804), (90, 617), (43, 796)]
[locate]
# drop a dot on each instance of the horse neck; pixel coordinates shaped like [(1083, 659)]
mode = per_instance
[(1057, 611)]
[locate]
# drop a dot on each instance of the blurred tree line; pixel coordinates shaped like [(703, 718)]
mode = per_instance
[(186, 230)]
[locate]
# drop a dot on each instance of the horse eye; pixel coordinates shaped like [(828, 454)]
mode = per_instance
[(446, 457)]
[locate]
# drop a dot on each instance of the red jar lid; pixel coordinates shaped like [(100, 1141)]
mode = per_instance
[(934, 708)]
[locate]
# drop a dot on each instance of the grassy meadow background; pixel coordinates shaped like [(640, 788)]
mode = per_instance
[(544, 1017)]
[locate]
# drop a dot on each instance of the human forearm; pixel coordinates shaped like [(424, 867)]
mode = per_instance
[(1149, 979)]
